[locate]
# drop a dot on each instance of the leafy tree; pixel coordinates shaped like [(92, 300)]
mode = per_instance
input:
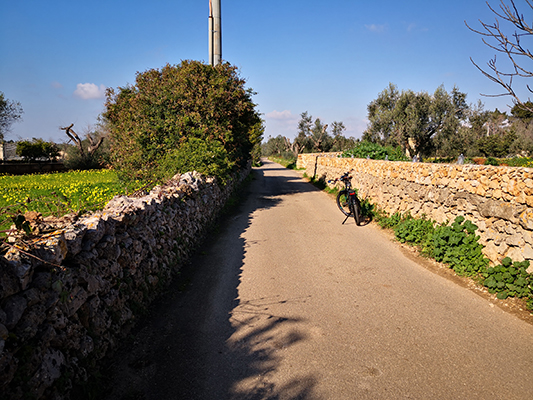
[(418, 122), (381, 127), (305, 124), (10, 112), (460, 105), (448, 111), (337, 128), (507, 39), (313, 136), (167, 109), (412, 121), (497, 144), (472, 127), (462, 142), (274, 146), (477, 118), (523, 113), (319, 137), (340, 142), (256, 136), (301, 143), (37, 149), (523, 145)]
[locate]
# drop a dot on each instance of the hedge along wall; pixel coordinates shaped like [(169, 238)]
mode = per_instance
[(499, 200), (63, 312)]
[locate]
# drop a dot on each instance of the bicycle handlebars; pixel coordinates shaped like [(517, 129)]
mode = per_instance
[(343, 178)]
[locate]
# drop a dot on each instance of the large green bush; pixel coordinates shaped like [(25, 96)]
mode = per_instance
[(156, 123), (205, 156)]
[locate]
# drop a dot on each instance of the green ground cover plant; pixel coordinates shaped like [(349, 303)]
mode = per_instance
[(375, 151), (455, 244), (58, 193), (415, 231), (518, 162), (387, 221), (289, 162), (458, 246), (509, 279)]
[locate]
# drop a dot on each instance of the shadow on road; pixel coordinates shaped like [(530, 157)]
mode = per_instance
[(191, 346)]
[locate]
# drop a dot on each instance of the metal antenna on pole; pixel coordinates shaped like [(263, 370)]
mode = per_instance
[(215, 33), (210, 33)]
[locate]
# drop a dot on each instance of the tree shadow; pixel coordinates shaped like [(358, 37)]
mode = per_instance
[(199, 340)]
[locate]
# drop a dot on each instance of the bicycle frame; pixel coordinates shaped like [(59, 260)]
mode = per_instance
[(351, 202)]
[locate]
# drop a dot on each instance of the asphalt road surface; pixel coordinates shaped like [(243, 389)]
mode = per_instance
[(285, 302)]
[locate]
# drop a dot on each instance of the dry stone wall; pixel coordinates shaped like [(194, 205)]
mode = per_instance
[(62, 312), (499, 200)]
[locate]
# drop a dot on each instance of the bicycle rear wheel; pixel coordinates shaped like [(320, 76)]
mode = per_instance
[(343, 202), (356, 204)]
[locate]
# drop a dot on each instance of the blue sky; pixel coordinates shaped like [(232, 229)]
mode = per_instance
[(329, 58)]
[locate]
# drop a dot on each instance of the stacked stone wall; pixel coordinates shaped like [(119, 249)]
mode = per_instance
[(63, 310), (499, 200)]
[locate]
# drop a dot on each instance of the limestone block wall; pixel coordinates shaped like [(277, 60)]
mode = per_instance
[(64, 309), (499, 200)]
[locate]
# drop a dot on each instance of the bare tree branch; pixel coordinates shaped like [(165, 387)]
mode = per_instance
[(94, 144), (511, 46), (74, 137)]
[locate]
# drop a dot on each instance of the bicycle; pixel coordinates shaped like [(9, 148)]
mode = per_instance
[(347, 199)]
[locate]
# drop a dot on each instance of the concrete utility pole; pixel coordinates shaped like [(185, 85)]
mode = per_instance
[(215, 33)]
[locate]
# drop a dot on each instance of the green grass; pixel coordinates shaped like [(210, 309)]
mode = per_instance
[(58, 193), (287, 163), (518, 162)]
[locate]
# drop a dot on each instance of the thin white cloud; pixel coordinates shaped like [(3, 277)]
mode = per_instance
[(412, 27), (87, 91), (376, 28), (56, 85), (282, 123), (280, 115)]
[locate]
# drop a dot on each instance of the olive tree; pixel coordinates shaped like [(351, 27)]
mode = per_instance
[(10, 112), (313, 135), (418, 122)]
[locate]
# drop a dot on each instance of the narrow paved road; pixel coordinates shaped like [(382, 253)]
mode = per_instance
[(287, 303)]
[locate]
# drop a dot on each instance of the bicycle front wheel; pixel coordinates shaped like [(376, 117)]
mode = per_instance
[(343, 202)]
